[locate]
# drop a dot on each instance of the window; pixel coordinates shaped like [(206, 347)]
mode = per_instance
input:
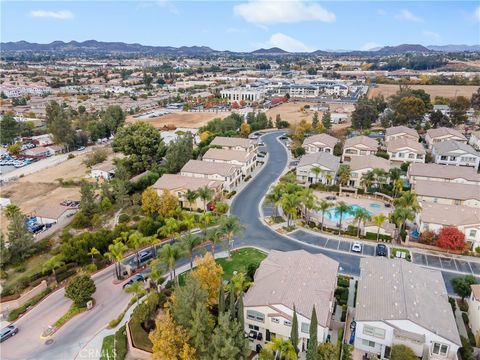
[(401, 155), (287, 323), (440, 349), (255, 315), (368, 343), (276, 320), (472, 233), (443, 157), (253, 327), (374, 332), (305, 328), (411, 156)]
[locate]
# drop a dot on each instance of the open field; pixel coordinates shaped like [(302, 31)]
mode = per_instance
[(434, 90), (182, 119)]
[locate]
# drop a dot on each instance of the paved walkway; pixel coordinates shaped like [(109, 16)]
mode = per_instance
[(351, 293), (460, 324)]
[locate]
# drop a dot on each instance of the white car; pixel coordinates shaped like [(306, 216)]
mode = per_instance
[(357, 247)]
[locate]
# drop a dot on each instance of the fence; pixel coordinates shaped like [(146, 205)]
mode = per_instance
[(13, 304)]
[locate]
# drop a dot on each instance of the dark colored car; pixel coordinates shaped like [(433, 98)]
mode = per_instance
[(145, 255), (134, 279), (8, 332), (381, 250)]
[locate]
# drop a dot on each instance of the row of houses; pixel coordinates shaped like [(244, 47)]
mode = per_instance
[(221, 169), (397, 303)]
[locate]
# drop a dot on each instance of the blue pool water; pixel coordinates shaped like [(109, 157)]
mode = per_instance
[(375, 206), (333, 216)]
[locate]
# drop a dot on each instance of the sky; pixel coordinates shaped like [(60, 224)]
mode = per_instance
[(293, 25)]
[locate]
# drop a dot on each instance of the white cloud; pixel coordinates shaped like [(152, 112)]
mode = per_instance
[(265, 12), (407, 15), (476, 14), (60, 15), (286, 43), (370, 45), (431, 35)]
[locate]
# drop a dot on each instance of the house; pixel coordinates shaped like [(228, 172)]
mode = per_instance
[(400, 132), (474, 140), (455, 153), (400, 303), (104, 170), (435, 136), (178, 185), (234, 143), (246, 160), (56, 149), (360, 165), (53, 213), (326, 162), (474, 311), (406, 150), (37, 152), (448, 193), (433, 217), (287, 279), (320, 142), (358, 146), (442, 173), (229, 174)]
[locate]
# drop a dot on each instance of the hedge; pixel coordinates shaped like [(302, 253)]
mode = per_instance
[(343, 281), (15, 313), (62, 276), (373, 236), (341, 294)]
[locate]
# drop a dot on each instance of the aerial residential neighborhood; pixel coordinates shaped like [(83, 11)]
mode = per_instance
[(240, 180)]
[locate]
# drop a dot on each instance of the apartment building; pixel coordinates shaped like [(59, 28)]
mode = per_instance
[(442, 173), (229, 174), (435, 136), (455, 153), (284, 280), (406, 150), (320, 143), (402, 303), (358, 146), (325, 163), (448, 193), (238, 94), (246, 160), (235, 143)]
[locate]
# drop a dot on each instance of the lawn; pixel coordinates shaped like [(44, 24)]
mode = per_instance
[(395, 251), (31, 266), (107, 348)]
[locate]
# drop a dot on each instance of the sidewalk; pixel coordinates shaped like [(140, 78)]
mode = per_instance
[(460, 324)]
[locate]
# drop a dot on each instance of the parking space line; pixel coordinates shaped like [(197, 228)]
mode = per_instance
[(471, 270)]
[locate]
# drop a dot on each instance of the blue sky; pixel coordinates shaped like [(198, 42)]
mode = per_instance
[(296, 25)]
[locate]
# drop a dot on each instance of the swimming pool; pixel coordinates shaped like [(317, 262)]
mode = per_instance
[(331, 214), (375, 205)]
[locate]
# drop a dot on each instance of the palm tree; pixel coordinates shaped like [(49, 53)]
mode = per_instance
[(394, 174), (367, 180), (135, 242), (341, 208), (231, 226), (170, 228), (400, 216), (239, 283), (215, 236), (206, 194), (378, 221), (93, 252), (323, 206), (407, 200), (274, 197), (317, 170), (309, 201), (52, 264), (188, 220), (380, 176), (169, 254), (290, 204), (191, 196), (397, 187), (137, 288), (189, 242), (206, 219), (283, 348), (115, 253), (157, 273), (343, 174), (361, 216)]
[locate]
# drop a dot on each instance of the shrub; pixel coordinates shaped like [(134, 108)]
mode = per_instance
[(373, 236), (344, 313), (80, 290), (453, 303), (427, 237), (96, 157), (463, 306), (123, 218), (20, 268), (70, 156), (451, 238), (3, 274), (341, 294), (477, 249), (466, 351), (90, 268), (343, 281), (248, 177), (139, 336), (465, 318), (80, 221)]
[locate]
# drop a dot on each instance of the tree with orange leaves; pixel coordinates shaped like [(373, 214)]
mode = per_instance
[(209, 275)]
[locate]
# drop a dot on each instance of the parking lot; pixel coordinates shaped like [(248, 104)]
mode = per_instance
[(446, 263)]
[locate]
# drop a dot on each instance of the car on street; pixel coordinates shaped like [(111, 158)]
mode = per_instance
[(81, 148), (261, 154), (260, 144), (134, 279), (145, 255), (357, 247), (8, 332), (381, 250)]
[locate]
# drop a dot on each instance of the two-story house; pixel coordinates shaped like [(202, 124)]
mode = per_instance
[(246, 160), (319, 167), (474, 311), (400, 132), (320, 143), (229, 174), (235, 143), (448, 193), (406, 150), (455, 153), (435, 136), (400, 303), (442, 173), (360, 165), (358, 146), (285, 280)]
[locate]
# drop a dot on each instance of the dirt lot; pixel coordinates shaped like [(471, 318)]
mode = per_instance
[(434, 90), (183, 119)]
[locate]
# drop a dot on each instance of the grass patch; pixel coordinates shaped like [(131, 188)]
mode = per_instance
[(121, 343), (396, 251), (74, 310), (32, 265), (108, 351), (139, 336), (240, 261)]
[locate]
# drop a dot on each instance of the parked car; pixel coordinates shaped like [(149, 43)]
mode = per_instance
[(381, 250), (8, 332), (145, 255), (81, 148), (134, 279), (357, 247)]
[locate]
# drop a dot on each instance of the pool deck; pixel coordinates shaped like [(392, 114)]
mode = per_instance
[(352, 200)]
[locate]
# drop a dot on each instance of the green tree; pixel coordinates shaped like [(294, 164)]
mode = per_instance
[(458, 110), (179, 152), (59, 124), (361, 215), (228, 341), (315, 120), (363, 116), (327, 120), (136, 241), (323, 206), (10, 129), (462, 285), (231, 226), (189, 242), (80, 290), (343, 174), (400, 216), (206, 194), (93, 252), (142, 144), (312, 353), (316, 170), (200, 330), (87, 199), (20, 240), (186, 299), (215, 236), (137, 289), (274, 197), (402, 352), (240, 314), (327, 351), (283, 348), (52, 264), (221, 300), (169, 254), (115, 253), (378, 221), (191, 197), (113, 118), (409, 110), (294, 330), (341, 209)]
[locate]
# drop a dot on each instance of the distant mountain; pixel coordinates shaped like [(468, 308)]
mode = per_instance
[(271, 51), (454, 48), (401, 49)]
